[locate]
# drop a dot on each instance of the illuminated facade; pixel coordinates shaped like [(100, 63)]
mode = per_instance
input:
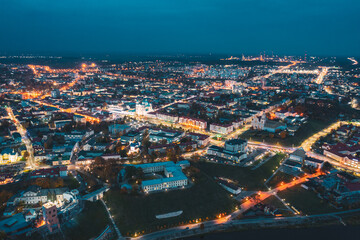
[(174, 177), (193, 123)]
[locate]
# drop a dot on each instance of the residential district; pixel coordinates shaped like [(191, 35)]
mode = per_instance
[(174, 147)]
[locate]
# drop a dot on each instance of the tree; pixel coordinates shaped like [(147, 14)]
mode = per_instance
[(139, 174), (188, 148), (3, 235), (57, 183), (283, 134), (26, 154), (49, 143), (326, 167), (130, 171), (146, 141), (43, 182), (123, 190), (170, 154), (5, 196), (153, 156), (98, 162)]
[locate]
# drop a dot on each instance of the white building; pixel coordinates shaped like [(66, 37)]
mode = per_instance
[(34, 195), (298, 155), (167, 117), (222, 129), (262, 123), (236, 145), (143, 108), (174, 177), (234, 151)]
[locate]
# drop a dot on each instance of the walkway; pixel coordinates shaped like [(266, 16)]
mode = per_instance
[(112, 220)]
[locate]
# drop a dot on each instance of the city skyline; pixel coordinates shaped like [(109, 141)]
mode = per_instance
[(179, 119)]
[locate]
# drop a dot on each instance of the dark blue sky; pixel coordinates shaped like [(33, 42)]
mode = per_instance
[(320, 27)]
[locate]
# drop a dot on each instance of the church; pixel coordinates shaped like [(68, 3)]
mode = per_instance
[(264, 124)]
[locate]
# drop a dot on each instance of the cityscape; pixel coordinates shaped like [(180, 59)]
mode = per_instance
[(158, 144)]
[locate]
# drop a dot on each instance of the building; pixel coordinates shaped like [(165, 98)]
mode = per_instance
[(9, 155), (131, 136), (167, 117), (222, 129), (224, 156), (348, 155), (55, 93), (50, 216), (161, 148), (79, 119), (61, 123), (174, 177), (258, 122), (143, 108), (15, 225), (171, 136), (35, 195), (74, 136), (49, 172), (229, 186), (201, 139), (262, 123), (298, 155), (236, 145), (115, 129), (294, 165), (313, 162), (233, 152), (193, 123)]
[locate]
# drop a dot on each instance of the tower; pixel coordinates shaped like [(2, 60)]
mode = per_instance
[(262, 121), (50, 216)]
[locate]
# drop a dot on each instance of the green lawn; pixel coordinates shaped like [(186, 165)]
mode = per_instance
[(90, 223), (136, 213), (304, 132), (278, 178), (71, 182), (306, 201), (247, 178), (275, 202)]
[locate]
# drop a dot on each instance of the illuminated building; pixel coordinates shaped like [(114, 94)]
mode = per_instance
[(193, 123), (174, 177), (50, 216)]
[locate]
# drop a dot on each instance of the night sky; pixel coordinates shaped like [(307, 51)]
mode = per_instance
[(319, 27)]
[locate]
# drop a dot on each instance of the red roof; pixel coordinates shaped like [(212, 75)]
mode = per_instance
[(353, 186), (48, 171)]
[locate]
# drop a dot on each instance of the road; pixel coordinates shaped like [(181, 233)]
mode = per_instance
[(279, 70), (320, 78), (177, 101), (88, 118), (29, 147)]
